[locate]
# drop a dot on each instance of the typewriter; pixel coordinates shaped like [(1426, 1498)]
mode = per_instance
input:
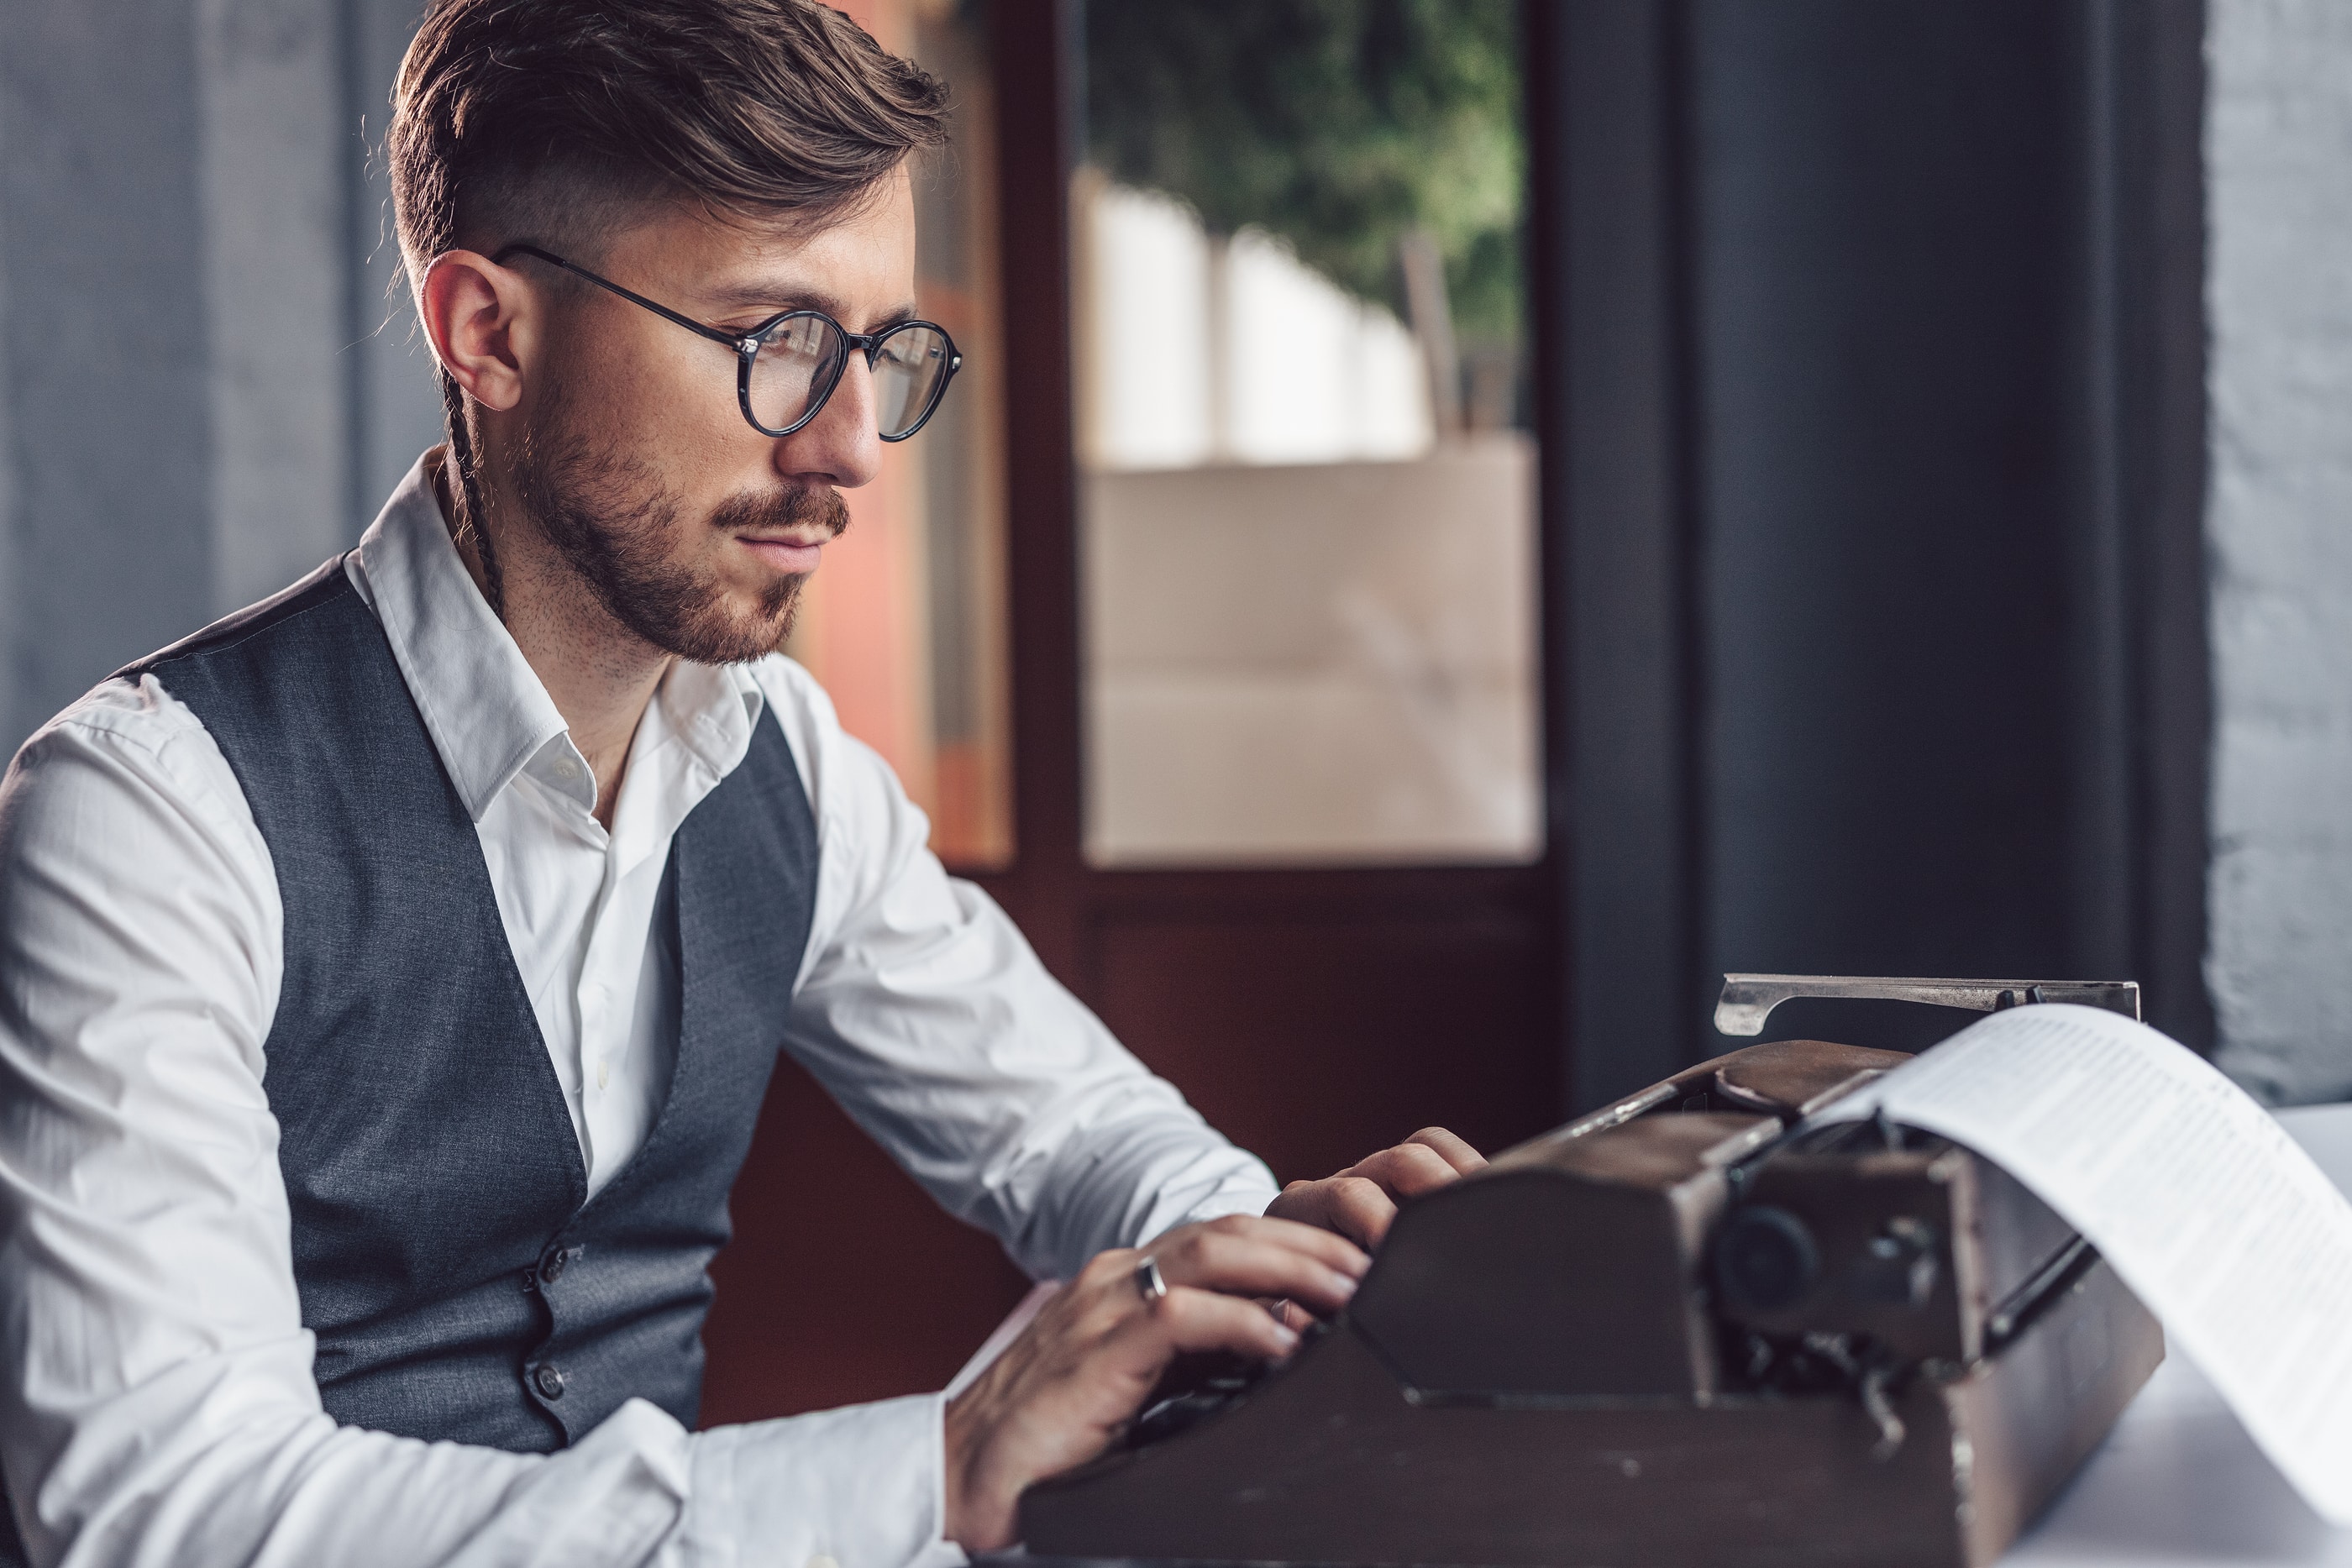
[(1687, 1329)]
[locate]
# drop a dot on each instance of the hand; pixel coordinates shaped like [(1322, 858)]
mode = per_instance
[(1063, 1391), (1361, 1201)]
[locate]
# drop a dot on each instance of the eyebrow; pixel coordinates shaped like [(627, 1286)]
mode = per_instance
[(769, 300)]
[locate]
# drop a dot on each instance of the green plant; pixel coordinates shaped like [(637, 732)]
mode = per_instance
[(1337, 124)]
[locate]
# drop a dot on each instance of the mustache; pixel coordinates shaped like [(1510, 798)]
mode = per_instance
[(784, 510)]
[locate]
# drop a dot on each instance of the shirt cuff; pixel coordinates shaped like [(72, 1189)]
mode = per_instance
[(864, 1486)]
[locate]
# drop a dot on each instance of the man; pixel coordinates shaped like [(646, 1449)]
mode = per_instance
[(391, 972)]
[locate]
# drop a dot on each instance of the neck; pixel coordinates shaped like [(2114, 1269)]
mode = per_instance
[(599, 674)]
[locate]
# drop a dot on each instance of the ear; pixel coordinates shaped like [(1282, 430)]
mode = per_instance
[(482, 320)]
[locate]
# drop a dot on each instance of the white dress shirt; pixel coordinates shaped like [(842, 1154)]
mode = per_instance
[(158, 1406)]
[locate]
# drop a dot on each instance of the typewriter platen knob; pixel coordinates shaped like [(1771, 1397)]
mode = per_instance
[(1765, 1259)]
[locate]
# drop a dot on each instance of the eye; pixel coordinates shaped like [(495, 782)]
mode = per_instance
[(802, 336)]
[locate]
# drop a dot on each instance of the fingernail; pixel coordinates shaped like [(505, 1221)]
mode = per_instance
[(1344, 1285), (1286, 1337)]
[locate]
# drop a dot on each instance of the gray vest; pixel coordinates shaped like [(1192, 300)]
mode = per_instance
[(460, 1281)]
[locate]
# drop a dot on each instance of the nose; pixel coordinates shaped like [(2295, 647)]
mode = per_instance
[(842, 446)]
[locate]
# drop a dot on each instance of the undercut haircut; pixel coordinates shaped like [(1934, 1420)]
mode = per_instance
[(559, 121), (551, 120)]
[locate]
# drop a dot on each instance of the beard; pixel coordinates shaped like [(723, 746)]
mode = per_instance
[(619, 527)]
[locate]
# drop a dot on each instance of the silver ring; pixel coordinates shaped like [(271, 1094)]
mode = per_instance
[(1150, 1282)]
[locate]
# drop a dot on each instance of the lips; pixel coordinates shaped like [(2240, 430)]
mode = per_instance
[(785, 553), (787, 530)]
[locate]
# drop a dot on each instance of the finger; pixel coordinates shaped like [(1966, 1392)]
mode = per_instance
[(1191, 1321), (1454, 1151), (1358, 1209), (1344, 1205), (1407, 1170), (1254, 1264), (1312, 1239)]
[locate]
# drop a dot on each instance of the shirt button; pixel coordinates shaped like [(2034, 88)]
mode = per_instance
[(547, 1381), (551, 1268), (566, 770), (821, 1560)]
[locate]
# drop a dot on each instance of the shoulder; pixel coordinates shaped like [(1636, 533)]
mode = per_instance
[(126, 748), (329, 583), (128, 716)]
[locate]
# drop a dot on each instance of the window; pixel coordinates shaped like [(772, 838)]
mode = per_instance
[(1308, 498)]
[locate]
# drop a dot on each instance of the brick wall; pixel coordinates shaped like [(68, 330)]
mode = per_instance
[(2279, 161)]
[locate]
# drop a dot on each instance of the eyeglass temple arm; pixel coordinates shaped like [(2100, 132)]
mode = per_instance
[(631, 296)]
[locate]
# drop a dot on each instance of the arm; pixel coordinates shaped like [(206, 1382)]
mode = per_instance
[(157, 1404), (923, 1011)]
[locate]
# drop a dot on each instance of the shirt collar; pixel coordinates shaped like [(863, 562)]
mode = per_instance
[(482, 702)]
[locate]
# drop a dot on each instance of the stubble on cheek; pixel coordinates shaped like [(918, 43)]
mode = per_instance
[(622, 531)]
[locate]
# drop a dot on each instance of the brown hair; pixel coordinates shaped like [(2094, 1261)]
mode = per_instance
[(517, 118), (556, 121)]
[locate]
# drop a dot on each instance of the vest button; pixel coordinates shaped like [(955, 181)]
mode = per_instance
[(549, 1381), (551, 1268)]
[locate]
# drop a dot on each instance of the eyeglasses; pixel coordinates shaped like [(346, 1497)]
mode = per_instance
[(789, 365)]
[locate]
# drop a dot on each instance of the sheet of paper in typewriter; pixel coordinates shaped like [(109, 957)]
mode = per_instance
[(2200, 1201)]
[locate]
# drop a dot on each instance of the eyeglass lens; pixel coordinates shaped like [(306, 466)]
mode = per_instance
[(802, 357)]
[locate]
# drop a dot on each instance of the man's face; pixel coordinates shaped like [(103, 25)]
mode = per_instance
[(694, 530)]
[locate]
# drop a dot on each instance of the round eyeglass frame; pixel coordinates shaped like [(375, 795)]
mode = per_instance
[(747, 345)]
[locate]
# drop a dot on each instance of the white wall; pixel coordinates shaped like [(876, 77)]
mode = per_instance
[(1196, 349), (2279, 162), (1152, 398), (1312, 374)]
